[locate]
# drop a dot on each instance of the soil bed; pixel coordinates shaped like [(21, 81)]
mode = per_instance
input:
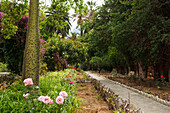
[(92, 101)]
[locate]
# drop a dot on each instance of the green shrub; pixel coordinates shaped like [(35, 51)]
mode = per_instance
[(3, 67), (97, 61), (59, 52)]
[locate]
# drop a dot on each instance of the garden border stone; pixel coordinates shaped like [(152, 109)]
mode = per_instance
[(156, 98), (115, 102), (155, 102), (4, 73)]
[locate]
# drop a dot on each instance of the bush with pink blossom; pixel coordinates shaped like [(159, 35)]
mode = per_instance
[(13, 28), (55, 94)]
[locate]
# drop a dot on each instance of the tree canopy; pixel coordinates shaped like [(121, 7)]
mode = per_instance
[(130, 34)]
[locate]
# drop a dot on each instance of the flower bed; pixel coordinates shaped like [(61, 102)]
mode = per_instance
[(72, 67), (55, 94)]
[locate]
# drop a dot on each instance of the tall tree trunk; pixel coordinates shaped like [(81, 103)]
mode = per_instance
[(136, 70), (141, 73), (81, 30), (31, 60), (169, 74), (100, 68)]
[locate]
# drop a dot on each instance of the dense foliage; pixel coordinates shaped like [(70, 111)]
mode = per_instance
[(58, 53), (54, 20), (57, 19), (13, 34), (131, 35)]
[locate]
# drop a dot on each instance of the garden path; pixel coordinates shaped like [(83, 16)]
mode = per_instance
[(146, 104)]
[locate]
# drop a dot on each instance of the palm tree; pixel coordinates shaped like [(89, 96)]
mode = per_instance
[(79, 21), (83, 14), (91, 10), (55, 15), (80, 13), (74, 36), (66, 28)]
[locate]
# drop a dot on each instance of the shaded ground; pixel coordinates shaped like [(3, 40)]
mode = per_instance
[(146, 85), (92, 102)]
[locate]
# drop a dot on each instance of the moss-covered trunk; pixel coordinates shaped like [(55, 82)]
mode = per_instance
[(31, 60)]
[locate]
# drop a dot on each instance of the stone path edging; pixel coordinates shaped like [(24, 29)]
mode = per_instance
[(156, 98), (4, 73)]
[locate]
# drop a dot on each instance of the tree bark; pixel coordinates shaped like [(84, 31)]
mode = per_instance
[(81, 30), (31, 60), (141, 73), (100, 68), (169, 74)]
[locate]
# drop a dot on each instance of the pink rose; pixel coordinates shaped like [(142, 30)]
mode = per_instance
[(63, 94), (26, 95), (59, 100), (28, 81), (46, 100), (41, 98), (71, 82), (51, 101), (42, 41)]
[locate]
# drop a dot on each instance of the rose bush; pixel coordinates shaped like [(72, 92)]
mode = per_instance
[(59, 100), (28, 81), (63, 94), (54, 94)]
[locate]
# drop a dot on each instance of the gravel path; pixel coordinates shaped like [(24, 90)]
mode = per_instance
[(146, 104)]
